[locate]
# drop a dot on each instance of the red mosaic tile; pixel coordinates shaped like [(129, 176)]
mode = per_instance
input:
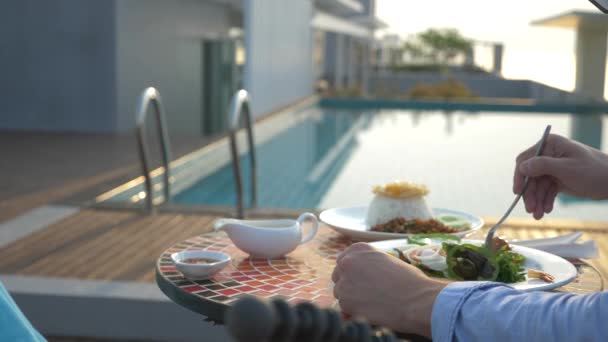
[(286, 278), (302, 282), (250, 273), (254, 283), (242, 279), (275, 281), (307, 277), (274, 273), (260, 262), (278, 262), (305, 295), (193, 288), (290, 285), (292, 272), (228, 292), (168, 268), (262, 277), (321, 283), (221, 278), (263, 294), (282, 267), (265, 269), (245, 288), (326, 292), (308, 289), (285, 292), (269, 287)]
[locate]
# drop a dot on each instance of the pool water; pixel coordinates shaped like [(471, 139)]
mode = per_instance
[(331, 158)]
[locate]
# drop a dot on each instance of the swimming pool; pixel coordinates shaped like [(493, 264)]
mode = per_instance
[(320, 157)]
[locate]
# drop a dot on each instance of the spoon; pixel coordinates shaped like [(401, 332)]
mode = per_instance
[(539, 151)]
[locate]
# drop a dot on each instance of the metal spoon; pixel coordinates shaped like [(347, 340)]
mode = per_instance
[(539, 151)]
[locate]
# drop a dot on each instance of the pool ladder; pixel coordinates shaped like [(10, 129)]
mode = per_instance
[(239, 105), (151, 95)]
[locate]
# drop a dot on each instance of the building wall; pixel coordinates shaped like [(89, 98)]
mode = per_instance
[(159, 43), (278, 40), (56, 65)]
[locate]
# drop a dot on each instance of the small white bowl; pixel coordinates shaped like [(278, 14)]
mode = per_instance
[(200, 271)]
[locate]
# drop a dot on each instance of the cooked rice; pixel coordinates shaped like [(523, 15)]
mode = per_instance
[(383, 209)]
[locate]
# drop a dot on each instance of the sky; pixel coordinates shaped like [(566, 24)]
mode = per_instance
[(531, 52)]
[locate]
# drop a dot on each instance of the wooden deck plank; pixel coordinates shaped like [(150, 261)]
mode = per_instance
[(105, 250), (125, 257), (66, 233), (59, 263), (124, 245), (97, 252), (124, 250)]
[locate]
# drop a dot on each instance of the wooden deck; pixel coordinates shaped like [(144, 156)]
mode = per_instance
[(124, 245)]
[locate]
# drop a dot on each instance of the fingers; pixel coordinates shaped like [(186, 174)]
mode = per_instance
[(541, 166), (518, 177), (530, 196), (359, 246), (550, 197), (542, 187), (342, 261), (526, 164)]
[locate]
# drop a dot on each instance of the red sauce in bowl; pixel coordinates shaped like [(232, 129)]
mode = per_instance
[(199, 261)]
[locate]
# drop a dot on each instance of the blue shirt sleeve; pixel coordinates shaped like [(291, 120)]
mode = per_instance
[(484, 311), (14, 326)]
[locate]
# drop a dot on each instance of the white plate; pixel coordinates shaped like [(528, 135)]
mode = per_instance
[(563, 271), (351, 222)]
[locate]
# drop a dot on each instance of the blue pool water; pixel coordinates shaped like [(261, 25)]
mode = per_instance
[(332, 158)]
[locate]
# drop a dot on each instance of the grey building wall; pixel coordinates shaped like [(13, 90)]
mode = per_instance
[(278, 40), (159, 43), (79, 65), (57, 65)]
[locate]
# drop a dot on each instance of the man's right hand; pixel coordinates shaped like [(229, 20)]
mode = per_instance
[(565, 166)]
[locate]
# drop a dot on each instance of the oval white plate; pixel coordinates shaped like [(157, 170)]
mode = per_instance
[(351, 222), (563, 271)]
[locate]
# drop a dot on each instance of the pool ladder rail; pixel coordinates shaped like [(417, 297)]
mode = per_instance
[(239, 106), (152, 96)]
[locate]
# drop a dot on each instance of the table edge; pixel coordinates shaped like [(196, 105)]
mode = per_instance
[(212, 310)]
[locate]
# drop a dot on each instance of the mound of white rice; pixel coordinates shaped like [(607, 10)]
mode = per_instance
[(383, 209)]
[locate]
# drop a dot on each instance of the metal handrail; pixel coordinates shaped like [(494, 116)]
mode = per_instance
[(239, 105), (151, 95)]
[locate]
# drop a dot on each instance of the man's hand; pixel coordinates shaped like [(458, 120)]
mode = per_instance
[(385, 290), (566, 166)]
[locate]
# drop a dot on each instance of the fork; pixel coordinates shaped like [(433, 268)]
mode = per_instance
[(539, 150)]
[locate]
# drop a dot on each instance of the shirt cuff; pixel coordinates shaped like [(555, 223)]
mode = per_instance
[(448, 304)]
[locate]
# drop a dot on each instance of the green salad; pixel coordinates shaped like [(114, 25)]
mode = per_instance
[(445, 256)]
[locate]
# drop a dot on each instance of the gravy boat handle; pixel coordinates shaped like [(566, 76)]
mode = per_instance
[(315, 226)]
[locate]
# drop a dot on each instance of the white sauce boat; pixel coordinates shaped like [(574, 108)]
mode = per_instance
[(267, 238)]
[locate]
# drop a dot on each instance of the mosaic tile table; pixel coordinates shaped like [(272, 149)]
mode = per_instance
[(304, 274)]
